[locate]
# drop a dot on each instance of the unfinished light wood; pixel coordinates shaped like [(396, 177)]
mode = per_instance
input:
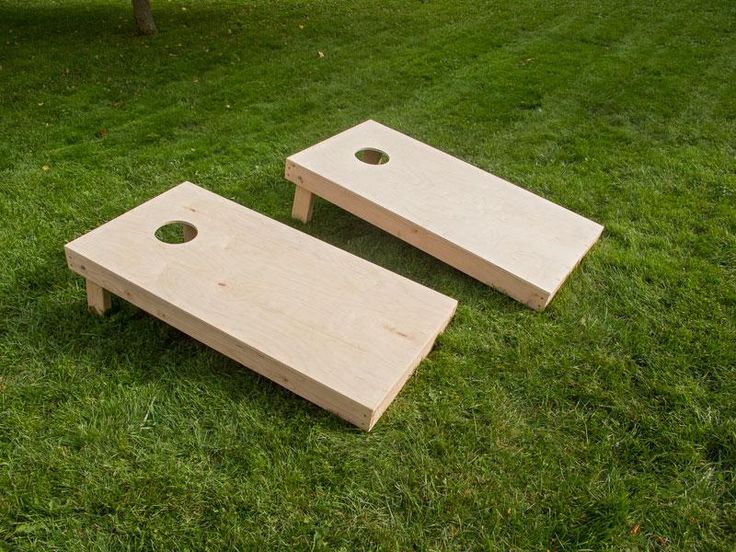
[(303, 205), (499, 233), (333, 328), (99, 299)]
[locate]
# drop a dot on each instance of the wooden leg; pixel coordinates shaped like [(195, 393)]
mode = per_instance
[(303, 204), (99, 299)]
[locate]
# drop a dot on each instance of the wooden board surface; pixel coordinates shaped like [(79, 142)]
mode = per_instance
[(333, 328), (487, 227)]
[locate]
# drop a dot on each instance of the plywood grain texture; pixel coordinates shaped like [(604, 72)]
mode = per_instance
[(491, 229), (331, 327)]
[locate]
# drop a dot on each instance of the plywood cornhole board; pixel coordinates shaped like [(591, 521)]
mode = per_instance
[(499, 233), (331, 327)]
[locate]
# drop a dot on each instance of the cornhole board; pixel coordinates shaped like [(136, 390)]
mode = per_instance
[(498, 233), (336, 329)]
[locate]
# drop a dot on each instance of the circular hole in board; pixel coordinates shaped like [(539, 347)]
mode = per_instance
[(372, 156), (176, 232)]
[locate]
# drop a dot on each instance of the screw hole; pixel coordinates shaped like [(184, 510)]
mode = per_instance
[(176, 232), (372, 156)]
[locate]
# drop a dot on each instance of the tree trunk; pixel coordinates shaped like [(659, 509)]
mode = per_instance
[(144, 17)]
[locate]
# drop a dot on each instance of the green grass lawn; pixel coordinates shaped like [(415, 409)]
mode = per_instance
[(606, 422)]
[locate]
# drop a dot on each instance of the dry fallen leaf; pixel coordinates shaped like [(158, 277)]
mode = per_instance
[(635, 529)]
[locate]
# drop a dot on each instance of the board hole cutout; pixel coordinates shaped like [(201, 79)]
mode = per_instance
[(176, 232), (372, 156)]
